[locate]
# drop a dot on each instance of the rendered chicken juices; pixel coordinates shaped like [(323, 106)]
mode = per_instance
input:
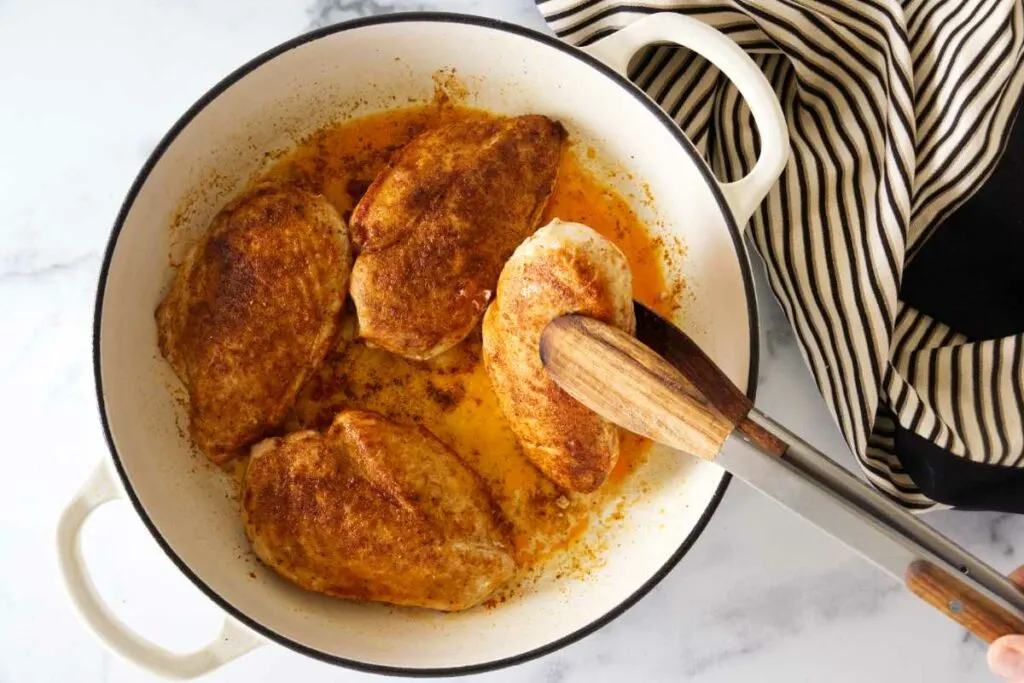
[(451, 393)]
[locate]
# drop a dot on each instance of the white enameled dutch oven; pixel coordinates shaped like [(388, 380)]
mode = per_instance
[(216, 147)]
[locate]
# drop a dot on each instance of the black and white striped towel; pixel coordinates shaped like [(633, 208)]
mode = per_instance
[(894, 202)]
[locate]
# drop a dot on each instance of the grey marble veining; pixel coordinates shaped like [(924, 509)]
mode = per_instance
[(325, 12), (86, 91)]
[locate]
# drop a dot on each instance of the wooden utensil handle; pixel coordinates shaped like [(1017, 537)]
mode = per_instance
[(702, 377), (762, 438), (653, 396), (625, 382), (961, 603)]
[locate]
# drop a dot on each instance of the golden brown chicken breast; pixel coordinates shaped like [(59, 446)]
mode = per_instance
[(253, 311), (436, 226), (563, 268), (374, 510)]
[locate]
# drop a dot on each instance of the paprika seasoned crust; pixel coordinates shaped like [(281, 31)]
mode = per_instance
[(436, 226), (253, 311), (376, 511), (563, 268)]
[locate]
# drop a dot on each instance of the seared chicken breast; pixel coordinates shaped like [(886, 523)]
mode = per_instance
[(374, 510), (436, 226), (253, 311), (563, 268)]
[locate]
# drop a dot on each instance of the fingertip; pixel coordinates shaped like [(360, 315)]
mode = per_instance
[(1006, 657)]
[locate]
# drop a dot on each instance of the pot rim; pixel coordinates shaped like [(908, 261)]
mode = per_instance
[(209, 96)]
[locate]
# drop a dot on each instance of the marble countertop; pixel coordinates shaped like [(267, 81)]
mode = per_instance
[(86, 90)]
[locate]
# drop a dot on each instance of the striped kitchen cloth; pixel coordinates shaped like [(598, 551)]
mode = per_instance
[(895, 238)]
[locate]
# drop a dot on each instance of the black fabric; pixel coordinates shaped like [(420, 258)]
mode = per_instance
[(960, 482), (970, 273), (970, 276)]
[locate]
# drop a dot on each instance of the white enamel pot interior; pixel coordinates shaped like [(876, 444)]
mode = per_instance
[(213, 151)]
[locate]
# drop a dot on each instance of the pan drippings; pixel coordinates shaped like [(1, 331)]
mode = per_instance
[(450, 394)]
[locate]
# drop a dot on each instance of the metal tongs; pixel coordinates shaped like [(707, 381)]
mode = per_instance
[(662, 386)]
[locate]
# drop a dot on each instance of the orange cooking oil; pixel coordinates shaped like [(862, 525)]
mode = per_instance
[(451, 395)]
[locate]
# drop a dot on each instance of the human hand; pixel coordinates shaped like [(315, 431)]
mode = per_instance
[(1006, 655)]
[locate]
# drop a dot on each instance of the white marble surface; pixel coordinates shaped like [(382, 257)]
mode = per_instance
[(86, 90)]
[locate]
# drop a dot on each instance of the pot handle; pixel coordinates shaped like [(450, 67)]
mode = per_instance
[(232, 642), (744, 195)]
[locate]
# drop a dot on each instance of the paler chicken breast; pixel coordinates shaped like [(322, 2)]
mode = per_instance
[(374, 510), (253, 311), (563, 268), (435, 227)]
